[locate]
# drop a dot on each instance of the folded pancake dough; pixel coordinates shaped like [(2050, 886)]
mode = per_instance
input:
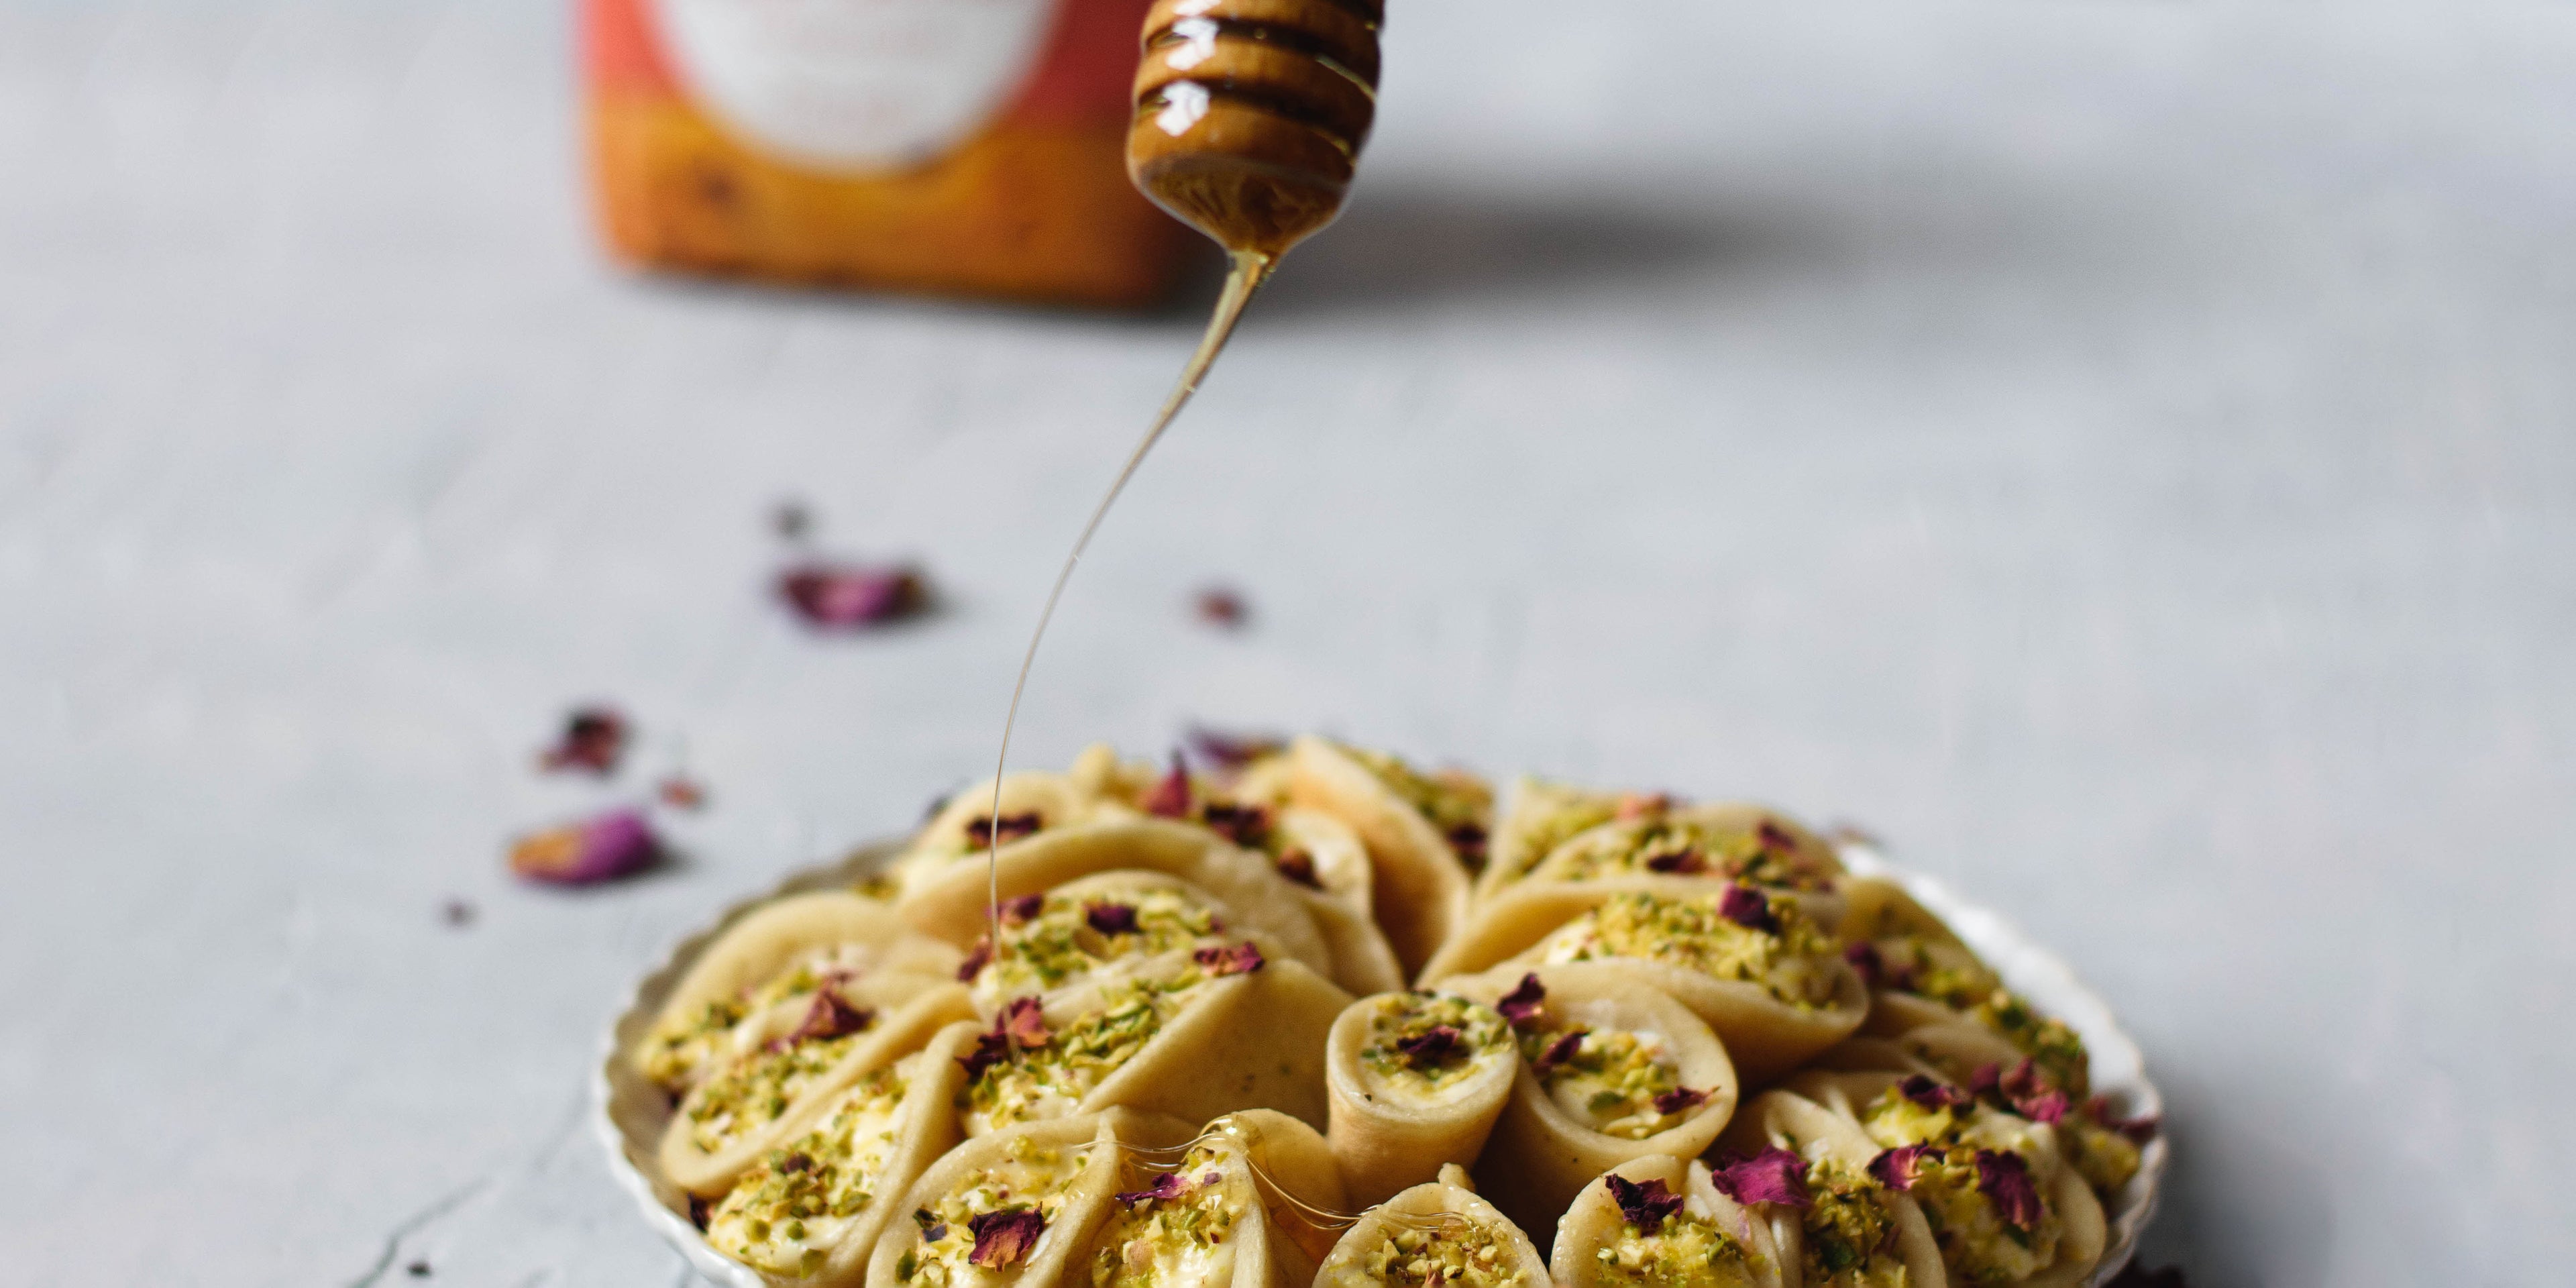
[(1014, 1209), (1968, 1153), (808, 1214), (1034, 802), (1212, 1217), (1775, 996), (1748, 843), (953, 905), (1612, 1070), (1854, 1231), (779, 955), (1341, 898), (1421, 883), (1414, 1081), (1190, 1038), (1439, 1228), (1651, 1240), (1538, 816), (772, 1093), (1097, 928)]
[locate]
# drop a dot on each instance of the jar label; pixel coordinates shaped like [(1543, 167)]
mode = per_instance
[(855, 84)]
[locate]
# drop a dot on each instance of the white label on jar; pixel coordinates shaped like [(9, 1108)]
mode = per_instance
[(854, 84)]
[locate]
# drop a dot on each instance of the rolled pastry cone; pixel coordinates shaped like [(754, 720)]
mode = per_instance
[(1538, 816), (830, 934), (1855, 1232), (1710, 1240), (1749, 843), (953, 904), (772, 1093), (1097, 928), (1341, 899), (1397, 1116), (1189, 1039), (1421, 882), (1637, 1044), (2002, 1029), (1443, 1226), (1228, 1211), (818, 1201), (2060, 1252), (1034, 802), (1674, 932), (1064, 1170)]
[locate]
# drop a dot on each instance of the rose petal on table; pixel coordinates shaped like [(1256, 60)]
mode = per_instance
[(616, 844)]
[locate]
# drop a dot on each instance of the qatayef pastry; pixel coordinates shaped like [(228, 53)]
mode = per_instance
[(774, 1092), (1437, 1235), (1657, 1222), (1995, 1188), (1805, 1171), (1425, 835), (1033, 801), (1745, 843), (954, 904), (809, 1212), (775, 960), (1756, 964), (1611, 1070), (2101, 1145), (1415, 1082), (1194, 1035), (1921, 974), (1538, 816), (1097, 928), (1234, 1211), (1016, 1208)]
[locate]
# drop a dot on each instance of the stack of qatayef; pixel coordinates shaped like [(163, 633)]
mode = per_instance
[(1645, 1042)]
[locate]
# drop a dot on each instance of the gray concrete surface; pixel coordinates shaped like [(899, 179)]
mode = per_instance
[(2122, 453)]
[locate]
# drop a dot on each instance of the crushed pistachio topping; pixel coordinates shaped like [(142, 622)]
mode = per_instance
[(1174, 1233), (680, 1049), (1794, 963), (1458, 806), (2103, 1156), (1850, 1234), (1032, 1082), (1980, 1245), (1608, 1079), (1029, 1177), (2058, 1052), (758, 1087), (1068, 938), (786, 1213), (1427, 1042), (1661, 845), (1945, 973), (1687, 1250), (1540, 832), (1454, 1253)]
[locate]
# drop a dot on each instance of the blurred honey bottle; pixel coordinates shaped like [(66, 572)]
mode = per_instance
[(972, 147)]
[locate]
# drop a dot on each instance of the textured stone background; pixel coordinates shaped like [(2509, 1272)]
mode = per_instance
[(2124, 453)]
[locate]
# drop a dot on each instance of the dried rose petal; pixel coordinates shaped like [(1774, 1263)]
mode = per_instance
[(1679, 1099), (681, 792), (2047, 1107), (980, 829), (1020, 911), (2140, 1129), (830, 1017), (931, 1227), (1773, 1176), (1299, 866), (593, 740), (1746, 907), (1244, 825), (1218, 606), (1986, 1081), (2005, 1178), (1646, 1206), (1023, 1022), (699, 1211), (1242, 959), (1931, 1093), (1468, 840), (1897, 1168), (1232, 750), (1004, 1238), (1171, 797), (1686, 863), (1865, 959), (616, 844), (457, 912), (1524, 1002), (844, 596), (798, 1161), (1558, 1052), (2026, 1079), (977, 958), (990, 1049), (1110, 918), (1775, 838), (1169, 1185), (1430, 1050)]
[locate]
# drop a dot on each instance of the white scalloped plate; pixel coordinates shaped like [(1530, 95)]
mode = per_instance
[(632, 1111)]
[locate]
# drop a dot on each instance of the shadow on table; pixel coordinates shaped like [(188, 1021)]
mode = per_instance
[(2203, 1222)]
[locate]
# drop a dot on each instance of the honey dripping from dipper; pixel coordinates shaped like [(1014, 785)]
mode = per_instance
[(1250, 115)]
